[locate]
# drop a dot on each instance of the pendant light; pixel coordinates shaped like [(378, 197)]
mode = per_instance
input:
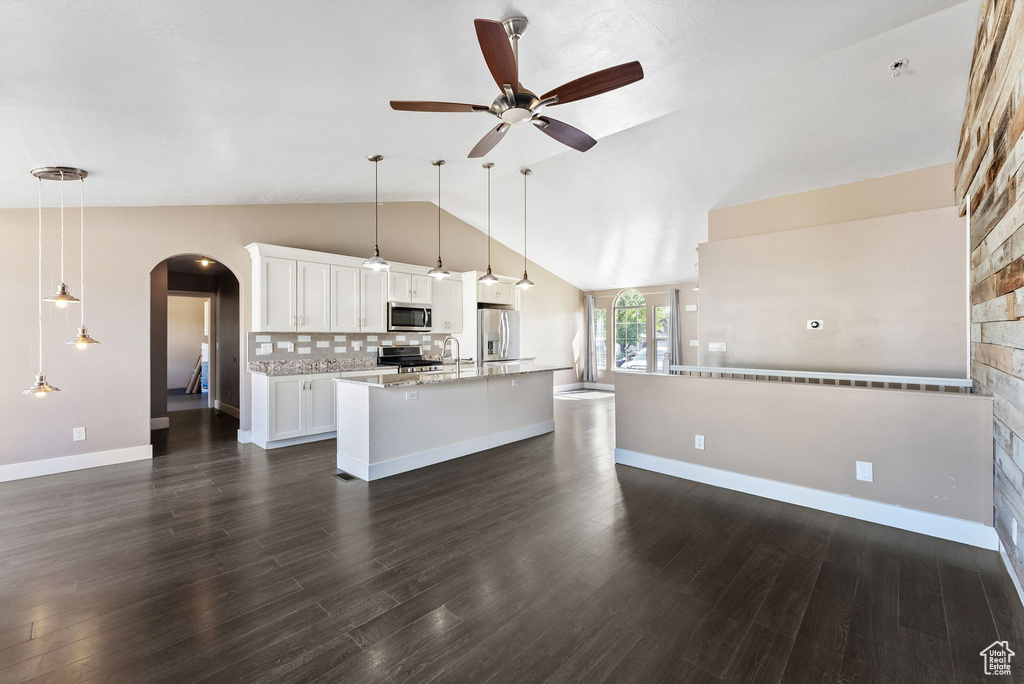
[(63, 296), (488, 278), (40, 388), (525, 283), (439, 272), (376, 262), (82, 341), (205, 261)]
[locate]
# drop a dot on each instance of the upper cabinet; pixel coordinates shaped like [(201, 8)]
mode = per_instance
[(304, 291), (447, 306), (498, 293), (409, 288)]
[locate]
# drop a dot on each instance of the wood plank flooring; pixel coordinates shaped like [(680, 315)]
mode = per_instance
[(540, 561)]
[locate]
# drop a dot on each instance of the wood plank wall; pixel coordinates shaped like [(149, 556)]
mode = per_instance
[(989, 173)]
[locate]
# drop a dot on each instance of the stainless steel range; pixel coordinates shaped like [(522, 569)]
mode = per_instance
[(408, 359)]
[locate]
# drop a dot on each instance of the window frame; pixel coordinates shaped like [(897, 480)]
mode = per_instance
[(646, 308)]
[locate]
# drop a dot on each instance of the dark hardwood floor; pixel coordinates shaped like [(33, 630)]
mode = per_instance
[(541, 561)]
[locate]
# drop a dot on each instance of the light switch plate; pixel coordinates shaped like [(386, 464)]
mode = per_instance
[(78, 434), (267, 348), (815, 324), (865, 471), (716, 346), (698, 442)]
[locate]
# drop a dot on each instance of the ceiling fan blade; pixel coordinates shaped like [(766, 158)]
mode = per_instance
[(497, 52), (597, 83), (488, 142), (564, 133), (418, 106)]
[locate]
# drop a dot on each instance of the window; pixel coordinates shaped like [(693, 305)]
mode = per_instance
[(661, 337), (601, 337), (631, 331)]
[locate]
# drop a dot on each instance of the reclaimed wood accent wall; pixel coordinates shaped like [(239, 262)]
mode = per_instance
[(990, 179)]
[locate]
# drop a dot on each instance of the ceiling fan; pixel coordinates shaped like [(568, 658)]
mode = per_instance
[(516, 104)]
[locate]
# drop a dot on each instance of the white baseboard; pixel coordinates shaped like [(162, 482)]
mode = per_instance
[(226, 408), (64, 464), (402, 464), (931, 524), (245, 436), (599, 386), (159, 423), (568, 388), (1012, 572), (305, 439)]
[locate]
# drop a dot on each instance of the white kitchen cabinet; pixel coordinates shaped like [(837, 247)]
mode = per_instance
[(287, 407), (497, 293), (447, 306), (277, 294), (373, 301), (320, 414), (345, 299), (409, 288), (313, 296)]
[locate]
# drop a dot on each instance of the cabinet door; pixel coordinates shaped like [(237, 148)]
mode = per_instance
[(401, 287), (505, 292), (313, 297), (439, 306), (320, 415), (345, 299), (455, 307), (420, 293), (286, 407), (277, 294), (373, 300), (486, 293)]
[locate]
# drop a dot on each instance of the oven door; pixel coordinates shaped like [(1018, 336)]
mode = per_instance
[(408, 318)]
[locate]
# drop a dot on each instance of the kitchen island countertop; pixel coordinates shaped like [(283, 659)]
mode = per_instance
[(439, 377)]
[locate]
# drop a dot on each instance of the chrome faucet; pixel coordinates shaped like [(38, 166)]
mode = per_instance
[(458, 353)]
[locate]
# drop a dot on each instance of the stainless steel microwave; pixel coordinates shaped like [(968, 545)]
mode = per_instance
[(409, 317)]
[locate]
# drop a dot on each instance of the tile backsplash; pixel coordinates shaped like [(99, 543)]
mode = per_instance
[(290, 346)]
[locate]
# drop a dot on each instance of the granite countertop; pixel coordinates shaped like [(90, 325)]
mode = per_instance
[(312, 366), (435, 378)]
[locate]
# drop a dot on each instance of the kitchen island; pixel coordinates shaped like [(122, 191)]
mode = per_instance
[(390, 424)]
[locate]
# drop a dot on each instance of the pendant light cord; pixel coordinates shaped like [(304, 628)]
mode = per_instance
[(439, 213), (488, 219), (524, 224), (81, 251), (62, 227), (376, 243), (39, 299)]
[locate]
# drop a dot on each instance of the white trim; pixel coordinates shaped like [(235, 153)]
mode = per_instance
[(1011, 571), (292, 441), (852, 377), (64, 464), (568, 388), (604, 387), (159, 423), (225, 407), (402, 464), (913, 520), (244, 436)]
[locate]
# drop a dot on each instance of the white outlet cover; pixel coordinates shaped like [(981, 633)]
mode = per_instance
[(78, 434), (267, 348), (698, 442), (716, 346), (412, 395), (815, 324), (865, 471), (515, 382)]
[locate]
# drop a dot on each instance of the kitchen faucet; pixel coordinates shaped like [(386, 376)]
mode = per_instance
[(458, 353)]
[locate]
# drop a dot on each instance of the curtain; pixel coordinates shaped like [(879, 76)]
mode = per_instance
[(590, 346), (675, 344)]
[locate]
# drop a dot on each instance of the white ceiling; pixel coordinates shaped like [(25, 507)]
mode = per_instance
[(198, 102)]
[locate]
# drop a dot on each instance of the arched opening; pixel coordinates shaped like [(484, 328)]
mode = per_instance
[(195, 355)]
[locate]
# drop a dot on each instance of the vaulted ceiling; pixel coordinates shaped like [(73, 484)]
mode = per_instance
[(197, 102)]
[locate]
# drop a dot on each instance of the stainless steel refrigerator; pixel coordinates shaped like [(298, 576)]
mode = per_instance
[(498, 335)]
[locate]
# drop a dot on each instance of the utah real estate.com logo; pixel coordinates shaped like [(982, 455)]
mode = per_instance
[(997, 658)]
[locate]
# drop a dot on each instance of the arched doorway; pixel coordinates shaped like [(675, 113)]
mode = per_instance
[(195, 373)]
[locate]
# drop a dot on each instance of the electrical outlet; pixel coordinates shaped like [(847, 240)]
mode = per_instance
[(1013, 530), (815, 324), (78, 434), (267, 348), (409, 396), (698, 442), (716, 346), (515, 382), (865, 471)]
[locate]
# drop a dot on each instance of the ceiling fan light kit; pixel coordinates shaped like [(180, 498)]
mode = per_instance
[(499, 43)]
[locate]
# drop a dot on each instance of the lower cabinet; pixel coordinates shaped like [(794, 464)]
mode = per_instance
[(291, 409)]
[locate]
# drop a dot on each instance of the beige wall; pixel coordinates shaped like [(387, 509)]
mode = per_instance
[(931, 451), (185, 335), (891, 291), (107, 388), (928, 188), (656, 295)]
